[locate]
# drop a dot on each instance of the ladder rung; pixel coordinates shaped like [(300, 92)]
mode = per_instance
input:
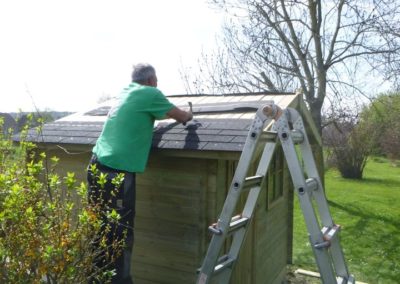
[(312, 184), (237, 222), (253, 181), (223, 262), (328, 234)]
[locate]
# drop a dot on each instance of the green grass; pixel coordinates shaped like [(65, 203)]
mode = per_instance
[(369, 212)]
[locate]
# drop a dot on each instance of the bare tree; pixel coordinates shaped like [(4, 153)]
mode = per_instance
[(315, 45)]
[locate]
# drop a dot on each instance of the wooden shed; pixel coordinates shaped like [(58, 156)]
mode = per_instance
[(7, 122), (184, 187)]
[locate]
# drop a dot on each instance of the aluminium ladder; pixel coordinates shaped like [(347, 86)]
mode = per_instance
[(287, 130)]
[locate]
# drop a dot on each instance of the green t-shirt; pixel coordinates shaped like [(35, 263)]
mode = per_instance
[(125, 141)]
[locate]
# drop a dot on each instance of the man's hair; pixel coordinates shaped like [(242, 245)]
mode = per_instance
[(142, 72)]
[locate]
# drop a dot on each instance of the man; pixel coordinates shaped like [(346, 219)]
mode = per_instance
[(123, 148)]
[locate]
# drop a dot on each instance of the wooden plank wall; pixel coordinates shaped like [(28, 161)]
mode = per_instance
[(263, 256), (170, 221), (242, 273), (175, 205), (272, 234), (75, 161), (244, 267)]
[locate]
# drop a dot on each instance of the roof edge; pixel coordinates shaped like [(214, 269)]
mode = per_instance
[(233, 94)]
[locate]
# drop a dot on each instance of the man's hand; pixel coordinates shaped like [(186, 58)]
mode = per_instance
[(181, 115), (190, 111)]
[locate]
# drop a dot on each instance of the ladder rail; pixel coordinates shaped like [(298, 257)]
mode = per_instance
[(262, 168), (324, 251), (288, 129), (248, 210), (234, 193), (338, 258), (312, 171), (252, 198), (301, 188)]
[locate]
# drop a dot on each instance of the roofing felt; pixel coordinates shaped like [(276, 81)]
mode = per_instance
[(221, 123)]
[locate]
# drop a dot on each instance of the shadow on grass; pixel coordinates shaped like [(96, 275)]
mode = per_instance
[(379, 181), (377, 234), (365, 215)]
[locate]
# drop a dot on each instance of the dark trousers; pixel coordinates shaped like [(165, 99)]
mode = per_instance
[(121, 199)]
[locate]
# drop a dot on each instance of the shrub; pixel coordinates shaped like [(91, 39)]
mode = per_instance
[(348, 146), (384, 114), (47, 225)]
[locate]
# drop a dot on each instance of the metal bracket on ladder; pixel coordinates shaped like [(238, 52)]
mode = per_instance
[(289, 129)]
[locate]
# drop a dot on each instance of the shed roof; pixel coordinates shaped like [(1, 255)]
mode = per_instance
[(8, 122), (221, 123)]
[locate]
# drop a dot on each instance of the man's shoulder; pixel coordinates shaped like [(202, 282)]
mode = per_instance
[(135, 87), (152, 90)]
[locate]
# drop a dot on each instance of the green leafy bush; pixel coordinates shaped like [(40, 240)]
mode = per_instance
[(349, 146), (47, 225), (384, 113)]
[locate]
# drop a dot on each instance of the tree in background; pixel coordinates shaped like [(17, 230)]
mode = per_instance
[(350, 139), (384, 114), (316, 45)]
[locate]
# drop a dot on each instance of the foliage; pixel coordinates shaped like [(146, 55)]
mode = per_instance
[(47, 226), (323, 47), (384, 114), (368, 211), (348, 145)]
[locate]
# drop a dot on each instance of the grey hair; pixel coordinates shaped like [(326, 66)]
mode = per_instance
[(142, 72)]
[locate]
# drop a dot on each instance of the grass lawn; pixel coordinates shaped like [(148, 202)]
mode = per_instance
[(369, 212)]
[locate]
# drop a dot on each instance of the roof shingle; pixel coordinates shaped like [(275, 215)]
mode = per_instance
[(217, 126)]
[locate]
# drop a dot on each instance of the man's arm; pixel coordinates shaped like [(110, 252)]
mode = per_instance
[(180, 115)]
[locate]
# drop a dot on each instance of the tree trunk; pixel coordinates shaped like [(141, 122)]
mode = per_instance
[(315, 109)]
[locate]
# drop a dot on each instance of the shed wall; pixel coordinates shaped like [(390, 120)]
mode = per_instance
[(171, 208), (74, 161), (271, 228), (177, 199)]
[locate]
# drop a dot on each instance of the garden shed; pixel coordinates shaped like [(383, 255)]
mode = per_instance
[(7, 122), (184, 187)]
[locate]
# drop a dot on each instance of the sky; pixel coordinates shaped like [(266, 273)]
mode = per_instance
[(65, 55)]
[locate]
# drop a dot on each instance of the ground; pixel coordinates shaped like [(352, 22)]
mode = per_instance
[(295, 278)]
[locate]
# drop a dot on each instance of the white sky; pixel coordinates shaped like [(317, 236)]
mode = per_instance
[(66, 54)]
